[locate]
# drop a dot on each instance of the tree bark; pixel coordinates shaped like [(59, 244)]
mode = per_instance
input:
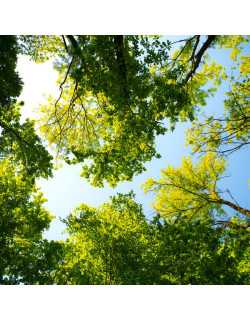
[(199, 55), (238, 208)]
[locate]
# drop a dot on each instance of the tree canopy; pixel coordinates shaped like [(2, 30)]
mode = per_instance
[(192, 188), (18, 140), (117, 93), (116, 244), (230, 132), (22, 220)]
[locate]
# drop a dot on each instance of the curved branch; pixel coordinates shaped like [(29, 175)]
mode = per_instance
[(198, 56)]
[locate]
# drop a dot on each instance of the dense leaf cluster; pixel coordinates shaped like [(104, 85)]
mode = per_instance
[(115, 244), (116, 94), (18, 141), (22, 221)]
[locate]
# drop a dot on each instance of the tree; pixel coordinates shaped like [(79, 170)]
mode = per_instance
[(36, 262), (18, 141), (192, 189), (106, 245), (10, 82), (116, 93), (230, 132), (22, 220), (193, 251), (23, 158), (115, 244)]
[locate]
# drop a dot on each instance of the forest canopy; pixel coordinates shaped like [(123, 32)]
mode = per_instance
[(117, 94)]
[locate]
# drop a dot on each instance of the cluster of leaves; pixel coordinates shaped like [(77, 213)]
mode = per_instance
[(22, 158), (115, 244), (106, 245), (116, 94), (22, 219), (10, 82), (189, 190), (18, 141), (230, 132), (36, 262), (192, 191), (193, 251)]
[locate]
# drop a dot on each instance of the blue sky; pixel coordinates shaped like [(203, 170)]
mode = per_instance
[(66, 190)]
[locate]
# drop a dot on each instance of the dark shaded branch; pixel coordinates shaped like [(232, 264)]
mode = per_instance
[(183, 40), (208, 199), (236, 207), (198, 57), (20, 140), (226, 223), (121, 62), (75, 45), (65, 44), (181, 51), (64, 81), (195, 47)]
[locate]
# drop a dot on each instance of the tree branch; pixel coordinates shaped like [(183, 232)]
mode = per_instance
[(236, 207), (198, 57)]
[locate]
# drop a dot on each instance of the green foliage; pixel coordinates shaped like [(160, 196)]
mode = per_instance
[(115, 244), (193, 251), (230, 132), (18, 141), (116, 93), (22, 217), (40, 48), (236, 43), (236, 246), (23, 158), (36, 262), (106, 245), (10, 83), (190, 189)]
